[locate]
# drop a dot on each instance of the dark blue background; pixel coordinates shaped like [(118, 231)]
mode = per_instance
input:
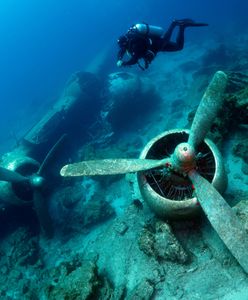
[(44, 41)]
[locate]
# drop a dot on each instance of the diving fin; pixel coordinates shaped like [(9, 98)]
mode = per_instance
[(189, 23)]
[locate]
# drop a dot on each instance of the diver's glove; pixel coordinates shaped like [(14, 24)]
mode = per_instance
[(119, 63)]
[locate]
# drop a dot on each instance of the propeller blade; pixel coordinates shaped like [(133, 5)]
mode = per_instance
[(111, 166), (222, 218), (41, 209), (50, 155), (11, 176), (209, 106)]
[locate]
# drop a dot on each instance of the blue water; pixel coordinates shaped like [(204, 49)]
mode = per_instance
[(44, 41)]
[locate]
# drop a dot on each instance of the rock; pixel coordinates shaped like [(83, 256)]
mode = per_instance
[(146, 242), (177, 105), (81, 207), (143, 290), (241, 210), (20, 261), (157, 240), (241, 149), (22, 248), (244, 168), (128, 100), (220, 55), (95, 211), (70, 196), (121, 227), (238, 176), (167, 246), (80, 283), (106, 291)]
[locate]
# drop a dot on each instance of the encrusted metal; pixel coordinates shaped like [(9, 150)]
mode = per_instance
[(18, 193), (210, 104), (170, 193), (222, 218), (109, 167)]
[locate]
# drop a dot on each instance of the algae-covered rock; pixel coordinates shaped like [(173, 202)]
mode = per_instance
[(97, 210), (21, 248), (81, 206), (128, 99), (158, 240), (20, 265), (146, 242), (167, 246), (241, 149), (244, 168), (241, 210), (143, 290), (79, 284), (120, 227)]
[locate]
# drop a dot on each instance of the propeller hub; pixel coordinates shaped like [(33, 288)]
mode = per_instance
[(184, 158), (169, 191), (36, 181)]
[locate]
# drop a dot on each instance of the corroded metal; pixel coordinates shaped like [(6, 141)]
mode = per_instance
[(56, 116), (210, 104), (81, 89), (184, 157), (110, 167), (170, 208), (14, 193), (222, 218), (10, 176)]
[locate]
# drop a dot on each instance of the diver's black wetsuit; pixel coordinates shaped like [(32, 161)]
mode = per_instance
[(146, 47)]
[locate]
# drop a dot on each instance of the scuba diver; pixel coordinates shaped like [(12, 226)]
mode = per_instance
[(143, 41)]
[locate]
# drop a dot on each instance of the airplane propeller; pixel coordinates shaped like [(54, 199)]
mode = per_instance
[(111, 166), (183, 161), (36, 182), (11, 176)]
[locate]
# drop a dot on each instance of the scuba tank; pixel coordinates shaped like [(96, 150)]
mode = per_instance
[(148, 30)]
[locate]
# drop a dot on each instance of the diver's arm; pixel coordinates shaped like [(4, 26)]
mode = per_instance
[(120, 63), (121, 53), (132, 61)]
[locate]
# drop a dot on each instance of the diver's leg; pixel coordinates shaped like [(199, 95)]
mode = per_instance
[(180, 38), (167, 45), (168, 33)]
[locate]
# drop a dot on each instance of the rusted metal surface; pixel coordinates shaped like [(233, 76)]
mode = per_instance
[(222, 218), (110, 167), (210, 104)]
